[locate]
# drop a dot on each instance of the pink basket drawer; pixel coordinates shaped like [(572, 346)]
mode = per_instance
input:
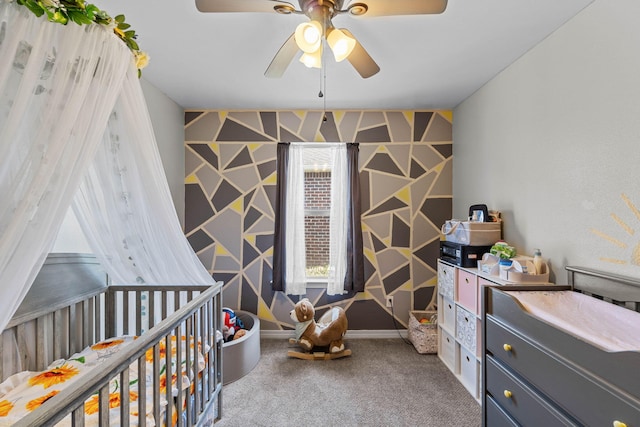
[(467, 290)]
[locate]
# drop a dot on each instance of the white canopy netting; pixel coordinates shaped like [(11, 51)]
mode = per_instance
[(75, 131)]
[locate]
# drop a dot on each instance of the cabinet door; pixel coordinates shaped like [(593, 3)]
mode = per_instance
[(446, 279), (449, 351), (467, 290), (467, 330), (448, 310), (470, 372)]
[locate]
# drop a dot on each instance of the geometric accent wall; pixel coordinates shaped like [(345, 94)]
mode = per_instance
[(406, 181)]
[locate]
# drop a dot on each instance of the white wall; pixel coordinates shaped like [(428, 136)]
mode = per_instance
[(167, 119), (554, 143), (70, 237)]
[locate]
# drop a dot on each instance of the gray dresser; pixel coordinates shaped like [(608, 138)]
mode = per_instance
[(537, 375)]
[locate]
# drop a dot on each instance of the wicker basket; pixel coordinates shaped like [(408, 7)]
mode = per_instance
[(424, 336)]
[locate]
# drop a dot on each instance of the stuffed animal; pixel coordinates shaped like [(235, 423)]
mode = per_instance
[(328, 331), (229, 328), (232, 325)]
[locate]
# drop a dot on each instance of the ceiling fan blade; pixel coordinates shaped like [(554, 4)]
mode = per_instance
[(238, 5), (361, 60), (403, 7), (283, 58)]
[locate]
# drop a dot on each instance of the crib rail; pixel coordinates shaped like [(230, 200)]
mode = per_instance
[(195, 319), (613, 288), (126, 306), (32, 342), (58, 331)]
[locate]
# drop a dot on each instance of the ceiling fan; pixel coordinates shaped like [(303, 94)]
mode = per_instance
[(309, 36)]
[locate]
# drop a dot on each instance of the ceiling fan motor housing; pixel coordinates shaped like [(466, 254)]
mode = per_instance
[(320, 10)]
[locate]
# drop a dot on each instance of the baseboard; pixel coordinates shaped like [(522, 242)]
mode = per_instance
[(351, 334)]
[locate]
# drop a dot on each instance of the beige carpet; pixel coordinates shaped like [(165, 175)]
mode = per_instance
[(385, 382)]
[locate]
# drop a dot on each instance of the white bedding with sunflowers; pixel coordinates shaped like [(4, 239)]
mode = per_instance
[(25, 391)]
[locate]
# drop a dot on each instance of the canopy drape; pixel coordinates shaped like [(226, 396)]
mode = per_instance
[(58, 88), (124, 206)]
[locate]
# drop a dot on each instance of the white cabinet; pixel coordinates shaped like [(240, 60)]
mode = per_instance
[(460, 321)]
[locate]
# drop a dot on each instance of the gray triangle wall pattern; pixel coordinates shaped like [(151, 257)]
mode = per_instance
[(406, 178)]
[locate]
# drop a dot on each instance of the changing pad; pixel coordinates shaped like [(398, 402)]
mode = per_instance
[(605, 325)]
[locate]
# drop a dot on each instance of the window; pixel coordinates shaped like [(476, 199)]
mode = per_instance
[(317, 210), (318, 195)]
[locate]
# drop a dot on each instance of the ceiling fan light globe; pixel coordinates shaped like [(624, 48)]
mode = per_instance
[(312, 60), (341, 44), (308, 36), (311, 35)]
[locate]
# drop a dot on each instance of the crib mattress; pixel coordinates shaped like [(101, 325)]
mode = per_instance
[(602, 324)]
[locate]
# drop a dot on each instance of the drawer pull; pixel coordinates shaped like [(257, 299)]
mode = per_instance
[(466, 279), (508, 394), (507, 347), (619, 424)]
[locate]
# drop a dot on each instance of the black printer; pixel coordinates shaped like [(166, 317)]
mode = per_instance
[(462, 255)]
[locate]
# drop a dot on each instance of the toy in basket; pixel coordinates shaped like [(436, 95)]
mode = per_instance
[(423, 331)]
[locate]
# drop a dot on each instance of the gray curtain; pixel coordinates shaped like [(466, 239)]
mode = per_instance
[(279, 250), (354, 279)]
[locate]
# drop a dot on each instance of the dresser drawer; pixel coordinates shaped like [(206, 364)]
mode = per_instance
[(467, 290), (446, 280), (585, 398), (448, 352), (495, 415), (519, 400), (467, 329)]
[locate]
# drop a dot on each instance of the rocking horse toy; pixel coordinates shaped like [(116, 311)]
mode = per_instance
[(327, 332)]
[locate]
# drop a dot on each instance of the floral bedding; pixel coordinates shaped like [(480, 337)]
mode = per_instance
[(25, 391)]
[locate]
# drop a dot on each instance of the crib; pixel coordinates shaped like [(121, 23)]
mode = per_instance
[(167, 369)]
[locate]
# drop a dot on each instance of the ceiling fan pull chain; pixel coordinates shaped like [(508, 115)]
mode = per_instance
[(323, 78)]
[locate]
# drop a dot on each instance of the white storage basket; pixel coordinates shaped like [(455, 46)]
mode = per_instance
[(471, 233), (424, 336)]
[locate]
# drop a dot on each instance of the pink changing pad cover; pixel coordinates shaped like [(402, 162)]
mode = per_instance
[(605, 325)]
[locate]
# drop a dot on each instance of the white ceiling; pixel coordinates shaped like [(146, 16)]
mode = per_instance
[(217, 60)]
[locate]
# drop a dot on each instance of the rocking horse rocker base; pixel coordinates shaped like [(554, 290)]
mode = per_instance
[(316, 355)]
